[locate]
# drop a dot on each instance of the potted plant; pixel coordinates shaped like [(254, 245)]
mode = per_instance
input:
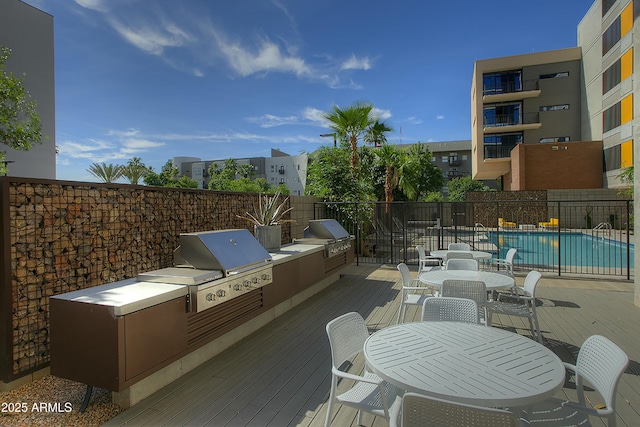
[(267, 219)]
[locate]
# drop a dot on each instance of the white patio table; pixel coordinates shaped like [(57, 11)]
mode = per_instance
[(442, 253), (465, 363), (491, 279)]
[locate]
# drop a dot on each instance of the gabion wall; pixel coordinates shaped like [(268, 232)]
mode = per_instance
[(60, 236)]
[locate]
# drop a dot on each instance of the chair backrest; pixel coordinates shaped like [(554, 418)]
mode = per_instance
[(347, 334), (458, 255), (424, 411), (438, 309), (459, 247), (530, 283), (472, 289), (511, 254), (405, 273), (601, 363), (462, 264), (421, 252)]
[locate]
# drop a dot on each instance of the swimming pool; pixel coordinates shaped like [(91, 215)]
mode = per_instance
[(577, 252)]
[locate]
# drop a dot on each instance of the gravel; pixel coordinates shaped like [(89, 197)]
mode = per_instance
[(53, 401)]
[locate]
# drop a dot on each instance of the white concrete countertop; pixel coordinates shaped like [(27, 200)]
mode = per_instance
[(294, 250), (129, 295), (126, 296)]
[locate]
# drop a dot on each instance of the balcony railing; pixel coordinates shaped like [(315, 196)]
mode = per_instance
[(511, 119), (498, 151)]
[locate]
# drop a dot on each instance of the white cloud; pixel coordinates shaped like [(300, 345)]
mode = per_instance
[(354, 63), (439, 117), (99, 5), (315, 115), (267, 58), (414, 120), (381, 114), (149, 38), (269, 120)]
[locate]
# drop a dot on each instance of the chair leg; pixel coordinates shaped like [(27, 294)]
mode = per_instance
[(327, 421), (537, 325), (400, 312)]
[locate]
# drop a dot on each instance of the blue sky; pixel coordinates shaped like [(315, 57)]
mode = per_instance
[(157, 79)]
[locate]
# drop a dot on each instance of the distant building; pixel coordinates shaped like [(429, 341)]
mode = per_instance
[(280, 168), (28, 32)]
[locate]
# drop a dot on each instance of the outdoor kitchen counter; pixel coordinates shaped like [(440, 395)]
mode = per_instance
[(294, 250), (126, 296)]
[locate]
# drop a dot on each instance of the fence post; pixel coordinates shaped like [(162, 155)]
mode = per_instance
[(559, 243)]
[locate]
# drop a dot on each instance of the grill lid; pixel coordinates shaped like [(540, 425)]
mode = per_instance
[(326, 229), (231, 251)]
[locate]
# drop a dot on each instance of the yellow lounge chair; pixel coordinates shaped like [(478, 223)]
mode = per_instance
[(553, 222), (502, 223)]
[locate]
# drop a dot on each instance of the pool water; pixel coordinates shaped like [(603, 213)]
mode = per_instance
[(551, 249)]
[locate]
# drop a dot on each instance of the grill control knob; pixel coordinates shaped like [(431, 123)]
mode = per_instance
[(237, 287), (265, 276), (247, 284), (220, 293), (210, 297), (255, 280)]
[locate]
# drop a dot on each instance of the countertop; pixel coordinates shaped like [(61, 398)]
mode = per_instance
[(129, 295)]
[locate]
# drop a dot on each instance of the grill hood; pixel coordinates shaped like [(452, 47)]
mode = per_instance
[(231, 251), (325, 229)]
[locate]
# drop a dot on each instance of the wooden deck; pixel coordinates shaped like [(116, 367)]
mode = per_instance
[(280, 375)]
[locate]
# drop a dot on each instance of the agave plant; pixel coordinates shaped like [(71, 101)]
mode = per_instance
[(269, 211)]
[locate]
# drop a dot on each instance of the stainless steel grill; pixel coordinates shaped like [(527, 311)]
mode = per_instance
[(216, 266), (327, 232)]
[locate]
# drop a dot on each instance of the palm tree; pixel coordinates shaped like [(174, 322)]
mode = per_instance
[(393, 159), (375, 134), (134, 171), (350, 124), (104, 172)]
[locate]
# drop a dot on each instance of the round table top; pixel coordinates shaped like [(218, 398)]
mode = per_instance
[(491, 279), (466, 363), (442, 253)]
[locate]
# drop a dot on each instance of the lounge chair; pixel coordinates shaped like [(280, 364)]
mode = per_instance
[(506, 224), (552, 223)]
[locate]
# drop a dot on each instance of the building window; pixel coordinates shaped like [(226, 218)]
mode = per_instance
[(554, 75), (611, 36), (502, 115), (611, 76), (606, 5), (503, 82), (464, 157), (500, 145), (554, 107), (612, 158), (611, 118), (555, 139), (445, 159)]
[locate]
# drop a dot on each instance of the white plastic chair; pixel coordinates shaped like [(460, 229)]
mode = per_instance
[(417, 410), (459, 247), (450, 309), (524, 305), (600, 363), (427, 262), (413, 292), (462, 264), (506, 263), (472, 289), (370, 393)]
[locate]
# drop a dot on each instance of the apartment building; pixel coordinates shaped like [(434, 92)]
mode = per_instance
[(607, 35), (28, 32), (280, 168), (577, 105)]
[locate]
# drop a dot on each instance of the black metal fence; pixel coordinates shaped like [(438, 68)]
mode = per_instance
[(570, 237)]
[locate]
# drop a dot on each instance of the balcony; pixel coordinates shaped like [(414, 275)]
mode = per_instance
[(508, 93), (280, 375), (503, 123), (281, 171)]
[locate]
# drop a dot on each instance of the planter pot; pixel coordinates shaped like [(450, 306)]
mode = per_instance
[(269, 236)]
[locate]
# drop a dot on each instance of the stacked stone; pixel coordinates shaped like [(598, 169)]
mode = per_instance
[(65, 237)]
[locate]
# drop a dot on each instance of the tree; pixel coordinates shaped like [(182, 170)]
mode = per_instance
[(458, 187), (20, 125), (375, 134), (393, 159), (134, 170), (106, 172), (168, 176), (421, 177), (350, 125), (626, 176)]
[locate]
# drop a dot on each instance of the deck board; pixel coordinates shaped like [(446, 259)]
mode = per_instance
[(280, 375)]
